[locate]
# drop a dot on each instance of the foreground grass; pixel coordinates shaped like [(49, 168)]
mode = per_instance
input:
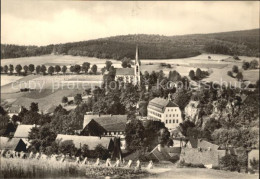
[(31, 168)]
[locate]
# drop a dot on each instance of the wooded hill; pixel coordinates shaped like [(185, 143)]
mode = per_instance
[(152, 46)]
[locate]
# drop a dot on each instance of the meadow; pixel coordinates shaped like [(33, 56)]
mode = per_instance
[(33, 168)]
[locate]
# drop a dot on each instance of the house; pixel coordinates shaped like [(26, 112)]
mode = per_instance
[(199, 151), (253, 157), (160, 153), (106, 125), (90, 141), (14, 144), (14, 110), (23, 131), (166, 111), (130, 75)]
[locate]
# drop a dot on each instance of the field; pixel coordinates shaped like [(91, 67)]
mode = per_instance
[(53, 88)]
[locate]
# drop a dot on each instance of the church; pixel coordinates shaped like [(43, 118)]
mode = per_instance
[(130, 75)]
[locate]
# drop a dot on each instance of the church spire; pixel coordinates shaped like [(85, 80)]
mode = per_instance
[(137, 61)]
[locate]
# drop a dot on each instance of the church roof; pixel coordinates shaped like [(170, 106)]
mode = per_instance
[(125, 71), (159, 104)]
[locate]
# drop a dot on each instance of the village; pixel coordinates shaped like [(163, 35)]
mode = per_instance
[(140, 131)]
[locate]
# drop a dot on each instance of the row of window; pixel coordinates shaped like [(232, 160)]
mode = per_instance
[(114, 133), (156, 114), (171, 121), (172, 115), (171, 110)]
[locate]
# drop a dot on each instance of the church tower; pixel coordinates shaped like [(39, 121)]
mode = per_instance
[(137, 68)]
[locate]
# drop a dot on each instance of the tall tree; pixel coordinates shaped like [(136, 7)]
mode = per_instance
[(57, 69), (11, 69), (31, 68), (34, 107), (85, 67), (239, 76), (6, 68), (94, 69), (38, 69), (72, 69), (18, 69), (108, 65), (192, 75), (64, 69), (25, 68), (235, 69), (43, 69), (77, 69), (51, 70), (198, 73)]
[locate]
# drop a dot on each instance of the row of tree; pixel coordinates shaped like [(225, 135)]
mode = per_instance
[(250, 65), (51, 69), (198, 75)]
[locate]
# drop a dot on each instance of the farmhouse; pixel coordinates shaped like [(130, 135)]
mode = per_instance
[(160, 153), (14, 144), (165, 111), (23, 131), (14, 110), (130, 75), (106, 125)]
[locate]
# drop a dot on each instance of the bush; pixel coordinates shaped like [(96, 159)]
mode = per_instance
[(229, 73), (254, 164), (235, 69), (229, 162)]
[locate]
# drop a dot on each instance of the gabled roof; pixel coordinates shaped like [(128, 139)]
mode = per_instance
[(159, 104), (11, 144), (162, 155), (3, 142), (112, 123), (125, 71), (22, 131), (91, 141)]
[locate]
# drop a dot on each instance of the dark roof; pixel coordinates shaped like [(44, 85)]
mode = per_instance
[(22, 131), (125, 71), (109, 123), (91, 141), (159, 104), (11, 144)]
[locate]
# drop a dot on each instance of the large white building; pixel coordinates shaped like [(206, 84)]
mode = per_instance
[(165, 111), (130, 75)]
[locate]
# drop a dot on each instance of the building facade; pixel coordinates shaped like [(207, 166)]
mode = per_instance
[(130, 75), (165, 111)]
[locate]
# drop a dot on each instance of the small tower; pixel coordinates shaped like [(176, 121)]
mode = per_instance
[(137, 68)]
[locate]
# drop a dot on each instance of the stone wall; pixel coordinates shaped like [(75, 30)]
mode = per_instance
[(202, 156)]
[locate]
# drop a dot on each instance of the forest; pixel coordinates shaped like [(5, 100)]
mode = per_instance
[(244, 43)]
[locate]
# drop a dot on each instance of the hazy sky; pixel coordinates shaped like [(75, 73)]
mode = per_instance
[(32, 22)]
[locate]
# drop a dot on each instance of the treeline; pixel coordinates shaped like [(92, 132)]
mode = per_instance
[(152, 46), (42, 69)]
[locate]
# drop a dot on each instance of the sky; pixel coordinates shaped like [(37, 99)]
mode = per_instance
[(42, 22)]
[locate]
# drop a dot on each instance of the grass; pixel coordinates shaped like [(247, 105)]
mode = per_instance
[(32, 168)]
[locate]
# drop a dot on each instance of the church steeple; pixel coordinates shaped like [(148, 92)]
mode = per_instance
[(137, 67)]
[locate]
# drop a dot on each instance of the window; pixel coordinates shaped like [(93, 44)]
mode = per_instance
[(166, 115), (177, 121), (170, 121), (173, 121), (172, 109), (168, 110), (177, 115), (175, 109), (169, 115), (166, 121), (173, 115)]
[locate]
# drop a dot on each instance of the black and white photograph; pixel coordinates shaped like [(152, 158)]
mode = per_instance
[(129, 89)]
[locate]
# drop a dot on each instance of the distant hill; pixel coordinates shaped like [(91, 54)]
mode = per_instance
[(152, 46)]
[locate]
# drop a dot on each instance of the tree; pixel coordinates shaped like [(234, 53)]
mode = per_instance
[(25, 68), (31, 68), (72, 69), (78, 99), (85, 67), (229, 73), (229, 162), (77, 69), (254, 64), (64, 69), (18, 69), (245, 65), (239, 76), (94, 69), (198, 73), (6, 68), (108, 65), (124, 64), (101, 152), (134, 132), (38, 69), (57, 69), (43, 69), (11, 69), (64, 99), (67, 147), (192, 74), (164, 137), (143, 108), (235, 69), (34, 107), (2, 69), (51, 70)]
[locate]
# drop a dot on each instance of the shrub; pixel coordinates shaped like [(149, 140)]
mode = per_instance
[(254, 164), (235, 69), (229, 73), (229, 162)]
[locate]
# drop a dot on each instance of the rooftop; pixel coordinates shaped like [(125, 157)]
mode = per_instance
[(125, 71), (159, 104), (22, 131)]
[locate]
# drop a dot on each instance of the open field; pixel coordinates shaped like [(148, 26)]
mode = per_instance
[(53, 88)]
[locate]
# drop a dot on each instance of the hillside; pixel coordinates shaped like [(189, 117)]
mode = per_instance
[(244, 43)]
